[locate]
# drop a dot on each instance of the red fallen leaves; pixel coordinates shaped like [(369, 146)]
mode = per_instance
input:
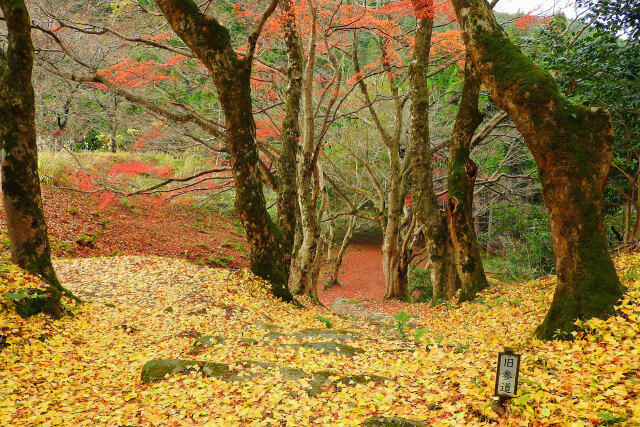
[(136, 168), (148, 227)]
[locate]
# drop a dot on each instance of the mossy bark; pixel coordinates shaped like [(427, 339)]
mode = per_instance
[(308, 188), (461, 180), (430, 218), (211, 43), (572, 146), (30, 248), (394, 261), (287, 189)]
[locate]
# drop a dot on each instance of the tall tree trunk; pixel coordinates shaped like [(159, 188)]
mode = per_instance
[(627, 222), (395, 280), (395, 274), (287, 190), (572, 146), (22, 200), (113, 124), (461, 180), (307, 168), (431, 219), (318, 257), (331, 247), (211, 43)]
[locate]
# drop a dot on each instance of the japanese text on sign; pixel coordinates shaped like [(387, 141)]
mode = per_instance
[(507, 374)]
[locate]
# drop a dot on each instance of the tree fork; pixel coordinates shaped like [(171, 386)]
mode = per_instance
[(461, 180), (572, 146), (211, 43)]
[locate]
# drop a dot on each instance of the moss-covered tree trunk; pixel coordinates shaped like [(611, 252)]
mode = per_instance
[(303, 281), (21, 195), (430, 218), (572, 146), (287, 190), (461, 180), (393, 267), (211, 43)]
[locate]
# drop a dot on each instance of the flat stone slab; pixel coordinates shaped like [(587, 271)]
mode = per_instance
[(329, 334), (273, 335), (158, 369), (267, 326), (209, 341), (362, 379), (246, 370), (392, 421), (329, 347)]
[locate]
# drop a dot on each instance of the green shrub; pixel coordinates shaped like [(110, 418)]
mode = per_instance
[(402, 320), (519, 234), (420, 284), (325, 321)]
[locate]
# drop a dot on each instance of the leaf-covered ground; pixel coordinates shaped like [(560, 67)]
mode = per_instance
[(86, 369), (79, 227)]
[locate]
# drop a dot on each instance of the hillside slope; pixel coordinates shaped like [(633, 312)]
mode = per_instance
[(80, 227)]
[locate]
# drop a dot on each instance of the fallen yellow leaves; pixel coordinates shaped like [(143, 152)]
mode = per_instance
[(85, 369)]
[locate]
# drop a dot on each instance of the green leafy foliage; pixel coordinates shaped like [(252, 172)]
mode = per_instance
[(420, 287), (402, 320), (325, 321), (521, 236)]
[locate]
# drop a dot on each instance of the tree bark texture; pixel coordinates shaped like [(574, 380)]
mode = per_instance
[(287, 183), (303, 281), (30, 248), (461, 180), (430, 218), (572, 146), (211, 43)]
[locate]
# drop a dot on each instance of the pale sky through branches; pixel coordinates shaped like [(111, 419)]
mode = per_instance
[(542, 7)]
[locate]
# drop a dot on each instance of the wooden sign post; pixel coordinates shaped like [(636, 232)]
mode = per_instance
[(507, 373)]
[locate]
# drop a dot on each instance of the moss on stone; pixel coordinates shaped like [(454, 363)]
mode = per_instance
[(156, 370), (392, 422)]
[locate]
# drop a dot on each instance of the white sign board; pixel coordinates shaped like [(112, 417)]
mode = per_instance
[(507, 374)]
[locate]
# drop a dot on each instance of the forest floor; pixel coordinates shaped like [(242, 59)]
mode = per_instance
[(234, 355), (162, 341), (79, 228)]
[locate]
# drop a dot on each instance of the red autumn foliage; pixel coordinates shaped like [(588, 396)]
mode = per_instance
[(136, 168), (153, 228), (83, 181), (527, 20), (132, 74), (156, 132)]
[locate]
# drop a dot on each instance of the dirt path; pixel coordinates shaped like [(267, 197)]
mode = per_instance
[(361, 275), (363, 286)]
